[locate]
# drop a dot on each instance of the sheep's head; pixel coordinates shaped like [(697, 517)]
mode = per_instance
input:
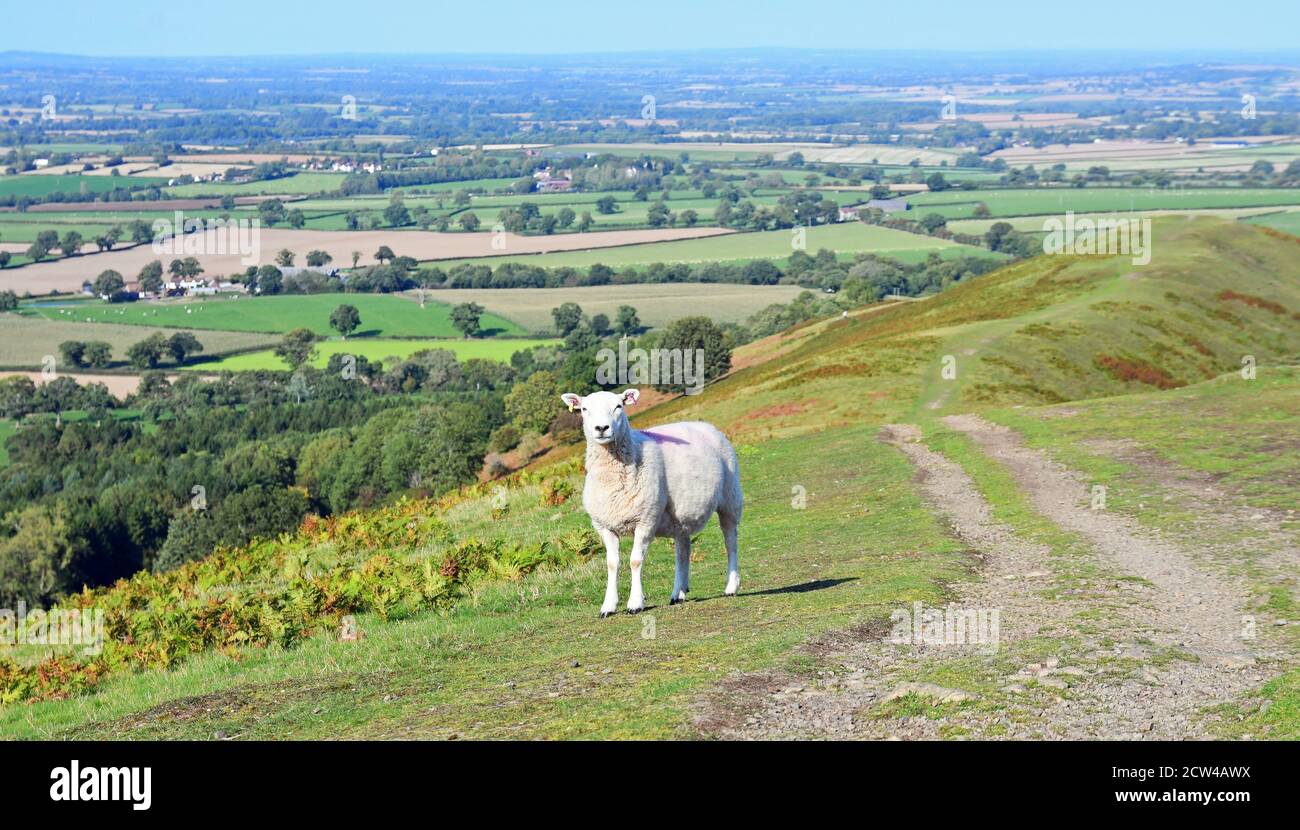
[(604, 414)]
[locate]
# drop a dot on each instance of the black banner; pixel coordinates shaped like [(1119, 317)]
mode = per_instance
[(139, 782)]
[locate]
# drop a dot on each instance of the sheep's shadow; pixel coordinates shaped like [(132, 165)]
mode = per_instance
[(801, 588)]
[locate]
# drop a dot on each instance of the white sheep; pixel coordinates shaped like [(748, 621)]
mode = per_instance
[(661, 482)]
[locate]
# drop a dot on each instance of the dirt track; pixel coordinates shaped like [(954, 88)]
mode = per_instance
[(1153, 636)]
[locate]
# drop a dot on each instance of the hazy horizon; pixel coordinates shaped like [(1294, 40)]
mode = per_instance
[(241, 28)]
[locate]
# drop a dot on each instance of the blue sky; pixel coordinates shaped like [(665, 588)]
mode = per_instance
[(266, 27)]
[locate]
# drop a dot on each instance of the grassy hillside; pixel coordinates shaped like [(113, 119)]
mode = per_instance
[(478, 613)]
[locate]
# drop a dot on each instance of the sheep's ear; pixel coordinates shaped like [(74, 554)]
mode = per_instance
[(630, 397), (572, 401)]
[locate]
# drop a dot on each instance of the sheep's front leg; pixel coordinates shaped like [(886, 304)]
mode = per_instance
[(682, 576), (610, 539), (640, 543)]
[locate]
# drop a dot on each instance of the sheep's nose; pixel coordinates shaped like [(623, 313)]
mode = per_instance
[(601, 430)]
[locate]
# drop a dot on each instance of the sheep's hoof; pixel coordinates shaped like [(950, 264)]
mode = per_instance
[(635, 610), (604, 614)]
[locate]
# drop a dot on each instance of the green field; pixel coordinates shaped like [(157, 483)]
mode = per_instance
[(960, 204), (1034, 224), (844, 238), (382, 315), (374, 349), (26, 341), (1288, 222), (40, 186), (305, 183), (657, 304)]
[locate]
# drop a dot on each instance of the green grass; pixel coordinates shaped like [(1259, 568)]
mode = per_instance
[(1288, 222), (844, 238), (375, 349), (304, 183), (26, 341), (1276, 718), (38, 186), (960, 204), (1233, 440), (657, 304), (501, 663), (381, 315)]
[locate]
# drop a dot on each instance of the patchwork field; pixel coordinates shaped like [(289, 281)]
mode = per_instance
[(304, 183), (25, 341), (1288, 222), (37, 186), (956, 204), (828, 153), (843, 238), (375, 349), (656, 304), (1127, 155), (68, 274), (382, 315), (1034, 224)]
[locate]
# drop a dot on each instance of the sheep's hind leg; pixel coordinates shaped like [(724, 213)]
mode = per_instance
[(730, 533), (611, 564), (682, 576), (640, 543)]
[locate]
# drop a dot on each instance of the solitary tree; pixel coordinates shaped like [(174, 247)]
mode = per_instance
[(345, 319), (567, 316), (285, 258), (385, 254), (182, 344), (465, 317), (628, 322), (297, 347)]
